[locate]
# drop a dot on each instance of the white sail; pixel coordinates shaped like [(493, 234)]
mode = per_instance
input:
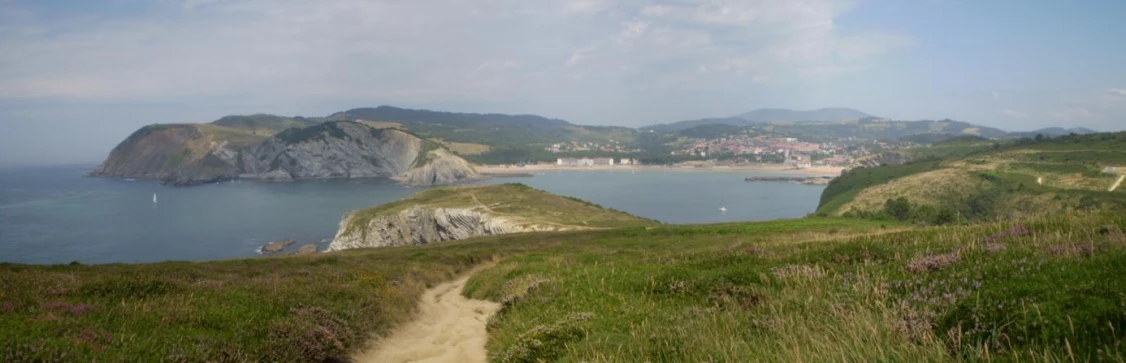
[(154, 197)]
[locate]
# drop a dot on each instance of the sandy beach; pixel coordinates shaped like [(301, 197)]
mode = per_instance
[(771, 168)]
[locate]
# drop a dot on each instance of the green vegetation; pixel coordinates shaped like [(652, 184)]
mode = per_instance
[(263, 123), (510, 138), (844, 188), (816, 289), (424, 153), (317, 132), (977, 182), (517, 201), (290, 309), (1026, 266), (826, 291)]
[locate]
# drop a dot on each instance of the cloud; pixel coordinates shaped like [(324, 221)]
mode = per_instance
[(426, 51), (632, 30), (996, 95), (655, 10), (1117, 92), (578, 55)]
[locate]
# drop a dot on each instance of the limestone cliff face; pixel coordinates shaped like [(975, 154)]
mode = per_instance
[(194, 154), (175, 154), (336, 150), (416, 226), (437, 167)]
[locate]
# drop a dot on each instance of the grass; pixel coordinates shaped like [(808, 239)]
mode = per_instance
[(784, 291), (1046, 290), (269, 309), (1021, 179), (465, 148), (843, 189)]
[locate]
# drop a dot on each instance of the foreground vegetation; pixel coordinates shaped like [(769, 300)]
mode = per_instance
[(797, 290)]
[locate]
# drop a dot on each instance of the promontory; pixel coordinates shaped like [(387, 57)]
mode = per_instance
[(279, 149)]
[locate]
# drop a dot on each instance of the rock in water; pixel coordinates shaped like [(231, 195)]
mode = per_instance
[(277, 246)]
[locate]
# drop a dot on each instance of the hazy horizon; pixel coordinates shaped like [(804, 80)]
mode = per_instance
[(77, 77)]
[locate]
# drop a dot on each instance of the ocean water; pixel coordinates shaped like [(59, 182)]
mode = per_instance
[(57, 215)]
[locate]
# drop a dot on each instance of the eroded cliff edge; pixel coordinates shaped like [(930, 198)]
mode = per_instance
[(447, 214), (188, 154)]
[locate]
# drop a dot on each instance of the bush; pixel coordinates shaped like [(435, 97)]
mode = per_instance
[(900, 208)]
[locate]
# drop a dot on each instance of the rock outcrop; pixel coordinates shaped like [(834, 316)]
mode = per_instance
[(883, 158), (416, 226), (194, 154), (455, 213)]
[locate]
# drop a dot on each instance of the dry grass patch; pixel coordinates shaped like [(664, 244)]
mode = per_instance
[(929, 188)]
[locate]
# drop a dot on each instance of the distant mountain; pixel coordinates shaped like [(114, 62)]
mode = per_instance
[(395, 114), (1054, 131), (765, 115), (489, 129)]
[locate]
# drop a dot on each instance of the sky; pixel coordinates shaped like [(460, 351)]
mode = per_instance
[(78, 76)]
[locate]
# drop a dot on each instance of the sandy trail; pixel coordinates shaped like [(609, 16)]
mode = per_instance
[(448, 328), (1117, 183)]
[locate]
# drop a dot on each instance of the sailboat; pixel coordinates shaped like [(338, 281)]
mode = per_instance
[(154, 197), (722, 209)]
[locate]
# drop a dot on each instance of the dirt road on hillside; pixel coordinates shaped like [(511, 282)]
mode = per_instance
[(1117, 183), (448, 328)]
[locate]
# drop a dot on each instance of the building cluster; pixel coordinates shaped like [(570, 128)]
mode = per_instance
[(787, 150), (575, 146), (594, 161), (746, 145)]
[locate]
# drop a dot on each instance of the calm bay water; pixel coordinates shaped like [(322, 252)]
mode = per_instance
[(56, 215)]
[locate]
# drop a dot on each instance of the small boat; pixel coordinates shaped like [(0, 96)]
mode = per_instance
[(722, 209), (154, 197)]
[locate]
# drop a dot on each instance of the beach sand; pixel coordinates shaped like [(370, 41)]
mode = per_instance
[(769, 168)]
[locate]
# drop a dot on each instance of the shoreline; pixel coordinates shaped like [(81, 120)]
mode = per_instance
[(499, 170)]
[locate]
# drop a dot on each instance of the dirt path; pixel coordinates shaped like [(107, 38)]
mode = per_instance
[(448, 328), (1117, 183)]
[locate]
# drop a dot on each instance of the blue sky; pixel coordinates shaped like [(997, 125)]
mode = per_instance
[(76, 77)]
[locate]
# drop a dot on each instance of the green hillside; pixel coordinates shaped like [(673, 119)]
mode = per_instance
[(1025, 178), (263, 123), (495, 130), (810, 290)]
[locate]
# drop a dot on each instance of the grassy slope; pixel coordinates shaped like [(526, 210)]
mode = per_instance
[(1028, 178), (815, 290), (261, 123), (799, 290), (513, 200), (268, 309)]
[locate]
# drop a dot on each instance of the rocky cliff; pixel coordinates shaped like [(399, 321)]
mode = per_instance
[(180, 154), (446, 214), (416, 226), (194, 154)]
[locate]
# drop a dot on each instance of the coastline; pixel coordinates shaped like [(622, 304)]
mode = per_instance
[(500, 170)]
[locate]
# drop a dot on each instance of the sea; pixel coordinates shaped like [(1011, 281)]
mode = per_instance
[(51, 215)]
